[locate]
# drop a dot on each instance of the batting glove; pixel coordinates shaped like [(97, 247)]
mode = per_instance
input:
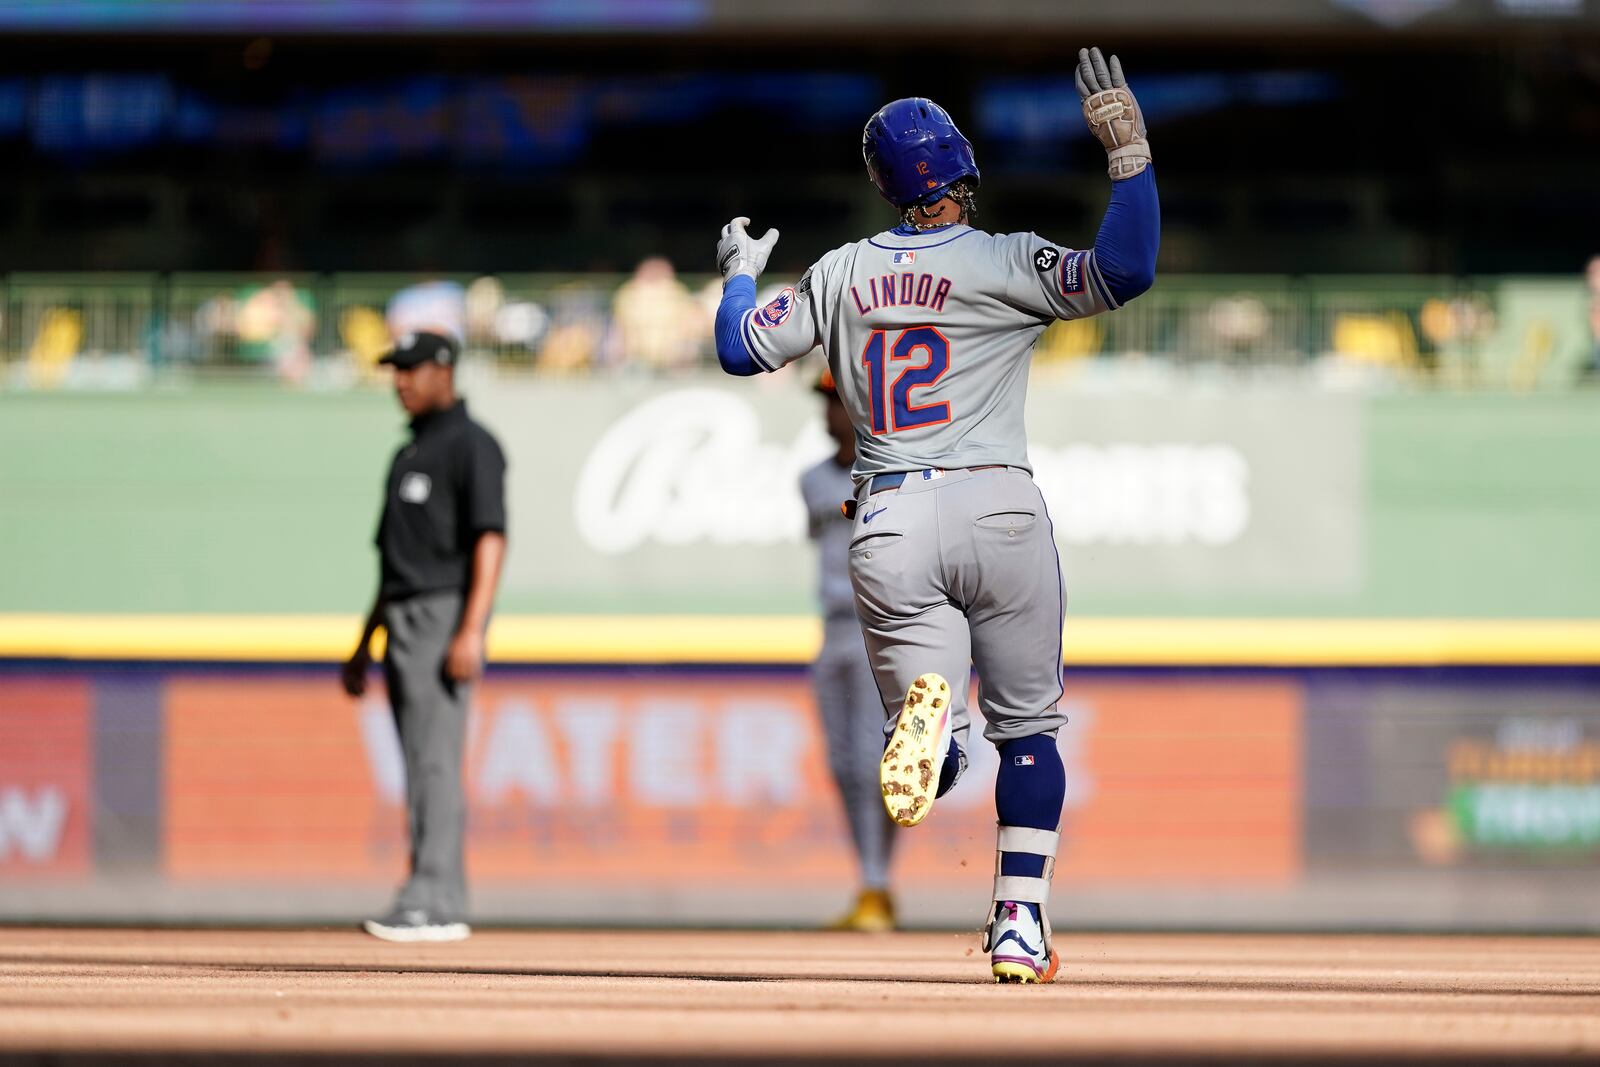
[(739, 253), (1113, 114)]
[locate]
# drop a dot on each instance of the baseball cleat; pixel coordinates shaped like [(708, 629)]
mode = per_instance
[(1020, 955), (873, 912), (909, 773), (415, 925)]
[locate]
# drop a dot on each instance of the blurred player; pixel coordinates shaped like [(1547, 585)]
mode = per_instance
[(847, 696), (441, 541), (928, 329)]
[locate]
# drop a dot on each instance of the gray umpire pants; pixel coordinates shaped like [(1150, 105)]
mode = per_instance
[(430, 712), (852, 723), (961, 571)]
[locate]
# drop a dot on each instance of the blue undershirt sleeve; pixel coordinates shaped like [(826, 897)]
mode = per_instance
[(1130, 236), (738, 300)]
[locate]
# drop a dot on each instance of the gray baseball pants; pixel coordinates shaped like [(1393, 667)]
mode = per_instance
[(430, 712), (852, 723), (959, 570)]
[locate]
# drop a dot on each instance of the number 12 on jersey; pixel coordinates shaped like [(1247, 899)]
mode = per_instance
[(892, 409)]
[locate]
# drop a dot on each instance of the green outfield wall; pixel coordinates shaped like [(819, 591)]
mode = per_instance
[(639, 496)]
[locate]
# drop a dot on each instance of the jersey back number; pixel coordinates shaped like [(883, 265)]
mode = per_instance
[(892, 409)]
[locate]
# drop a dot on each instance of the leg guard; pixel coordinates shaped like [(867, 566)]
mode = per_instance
[(1030, 890)]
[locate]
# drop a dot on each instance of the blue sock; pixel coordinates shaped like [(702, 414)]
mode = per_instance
[(1029, 791)]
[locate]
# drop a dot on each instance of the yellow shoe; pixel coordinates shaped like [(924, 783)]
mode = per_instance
[(873, 913), (911, 764)]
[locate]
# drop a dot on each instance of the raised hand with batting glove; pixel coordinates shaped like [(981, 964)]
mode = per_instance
[(739, 253), (1112, 113)]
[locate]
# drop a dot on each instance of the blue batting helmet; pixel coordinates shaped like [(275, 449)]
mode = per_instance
[(914, 151)]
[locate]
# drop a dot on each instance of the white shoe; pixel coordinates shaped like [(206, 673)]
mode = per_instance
[(415, 924), (1020, 951), (909, 773)]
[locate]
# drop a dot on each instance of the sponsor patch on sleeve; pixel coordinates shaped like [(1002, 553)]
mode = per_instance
[(776, 313), (1072, 279), (1045, 260)]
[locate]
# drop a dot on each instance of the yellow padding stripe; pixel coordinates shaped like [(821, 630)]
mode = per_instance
[(794, 639), (527, 638), (1333, 642)]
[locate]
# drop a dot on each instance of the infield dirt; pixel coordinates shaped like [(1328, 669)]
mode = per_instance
[(80, 996)]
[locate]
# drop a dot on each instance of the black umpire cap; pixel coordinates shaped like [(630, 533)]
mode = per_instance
[(415, 349)]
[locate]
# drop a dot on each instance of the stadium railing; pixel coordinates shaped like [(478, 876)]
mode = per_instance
[(126, 330)]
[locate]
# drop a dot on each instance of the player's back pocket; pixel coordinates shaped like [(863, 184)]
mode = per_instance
[(1016, 520), (879, 572)]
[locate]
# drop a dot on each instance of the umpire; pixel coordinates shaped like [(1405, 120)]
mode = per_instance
[(441, 542)]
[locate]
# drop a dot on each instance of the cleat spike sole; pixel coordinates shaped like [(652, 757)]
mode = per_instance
[(908, 774)]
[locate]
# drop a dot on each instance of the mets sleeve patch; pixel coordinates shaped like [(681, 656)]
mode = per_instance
[(777, 312)]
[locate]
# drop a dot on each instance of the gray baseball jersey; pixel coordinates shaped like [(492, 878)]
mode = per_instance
[(848, 701), (928, 336), (824, 487)]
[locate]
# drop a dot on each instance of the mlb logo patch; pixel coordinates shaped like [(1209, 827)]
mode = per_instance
[(904, 259), (1023, 761), (777, 312)]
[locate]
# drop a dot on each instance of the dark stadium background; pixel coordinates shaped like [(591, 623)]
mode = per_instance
[(1345, 149)]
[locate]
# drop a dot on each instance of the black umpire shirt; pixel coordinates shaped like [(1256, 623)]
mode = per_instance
[(445, 488)]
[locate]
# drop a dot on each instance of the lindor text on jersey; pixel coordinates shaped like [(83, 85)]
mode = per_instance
[(903, 290)]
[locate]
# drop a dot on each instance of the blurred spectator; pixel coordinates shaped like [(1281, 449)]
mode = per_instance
[(1455, 328), (275, 324), (429, 307), (510, 328), (170, 339), (57, 342), (518, 327), (365, 335), (1457, 320), (1239, 325), (658, 322), (576, 326), (484, 298), (1377, 340), (216, 328)]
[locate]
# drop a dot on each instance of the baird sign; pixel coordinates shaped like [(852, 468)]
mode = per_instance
[(685, 496), (660, 472)]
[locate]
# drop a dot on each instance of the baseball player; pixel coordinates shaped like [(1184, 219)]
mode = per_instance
[(928, 328), (847, 696)]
